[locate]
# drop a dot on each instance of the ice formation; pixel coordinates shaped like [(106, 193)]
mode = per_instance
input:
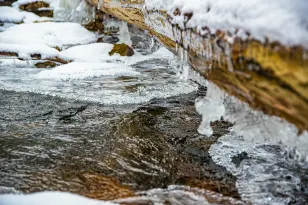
[(254, 126), (100, 4), (78, 11), (121, 27), (240, 16), (268, 147)]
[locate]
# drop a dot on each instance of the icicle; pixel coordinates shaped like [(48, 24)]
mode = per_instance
[(100, 4), (184, 73), (152, 43)]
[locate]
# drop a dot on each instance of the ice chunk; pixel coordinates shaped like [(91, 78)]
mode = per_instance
[(77, 11)]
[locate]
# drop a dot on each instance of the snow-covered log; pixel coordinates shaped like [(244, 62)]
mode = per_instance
[(256, 52)]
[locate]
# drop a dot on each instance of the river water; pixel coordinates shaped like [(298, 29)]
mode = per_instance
[(132, 137)]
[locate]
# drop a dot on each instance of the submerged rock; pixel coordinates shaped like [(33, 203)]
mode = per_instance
[(122, 49)]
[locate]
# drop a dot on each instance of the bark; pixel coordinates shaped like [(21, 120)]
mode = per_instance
[(269, 77)]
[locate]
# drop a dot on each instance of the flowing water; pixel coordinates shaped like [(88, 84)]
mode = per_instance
[(131, 134)]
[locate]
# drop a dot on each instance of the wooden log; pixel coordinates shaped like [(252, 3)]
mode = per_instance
[(268, 76)]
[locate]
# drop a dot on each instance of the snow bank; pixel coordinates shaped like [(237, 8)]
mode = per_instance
[(48, 33), (10, 15), (90, 52), (31, 17), (25, 51), (285, 21), (42, 38), (49, 198), (82, 70)]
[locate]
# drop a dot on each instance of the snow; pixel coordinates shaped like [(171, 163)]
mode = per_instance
[(82, 70), (49, 198), (23, 2), (48, 33), (31, 17), (278, 20), (10, 15), (90, 52), (25, 51), (43, 38)]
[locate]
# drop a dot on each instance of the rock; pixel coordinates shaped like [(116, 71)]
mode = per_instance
[(47, 64), (97, 24), (40, 8), (122, 49)]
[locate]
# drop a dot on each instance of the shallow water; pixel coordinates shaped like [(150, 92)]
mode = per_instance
[(132, 137), (81, 144)]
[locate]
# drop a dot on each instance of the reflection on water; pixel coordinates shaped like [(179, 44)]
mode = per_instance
[(50, 143)]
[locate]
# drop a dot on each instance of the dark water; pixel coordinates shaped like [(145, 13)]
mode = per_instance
[(49, 143)]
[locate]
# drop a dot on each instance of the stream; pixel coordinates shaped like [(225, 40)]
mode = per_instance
[(128, 134)]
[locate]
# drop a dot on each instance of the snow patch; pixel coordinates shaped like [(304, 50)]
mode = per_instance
[(48, 33), (10, 15), (25, 51), (49, 198), (23, 2), (288, 18), (90, 52)]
